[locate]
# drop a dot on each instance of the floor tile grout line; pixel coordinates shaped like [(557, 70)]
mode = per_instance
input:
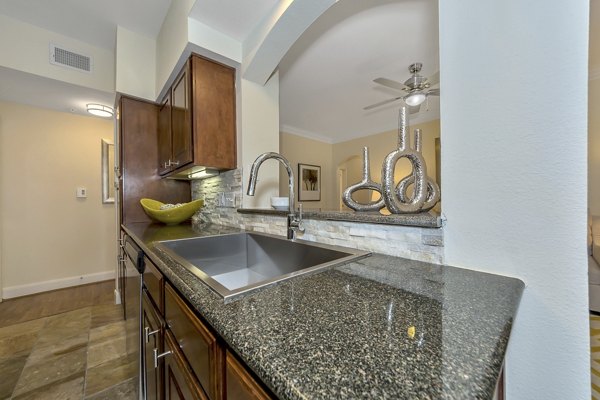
[(87, 353), (37, 339), (108, 388)]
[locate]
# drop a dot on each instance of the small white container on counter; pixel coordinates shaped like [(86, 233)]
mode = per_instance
[(280, 203)]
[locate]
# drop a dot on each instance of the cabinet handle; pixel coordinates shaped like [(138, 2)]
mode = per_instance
[(147, 333), (174, 163), (158, 356), (167, 164)]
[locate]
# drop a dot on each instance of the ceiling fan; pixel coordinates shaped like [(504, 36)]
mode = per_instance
[(417, 88)]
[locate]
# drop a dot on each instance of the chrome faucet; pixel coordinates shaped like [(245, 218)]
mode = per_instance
[(294, 222)]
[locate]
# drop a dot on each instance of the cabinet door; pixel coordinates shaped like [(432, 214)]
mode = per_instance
[(154, 284), (214, 114), (180, 382), (240, 384), (151, 340), (197, 343), (164, 137), (181, 122)]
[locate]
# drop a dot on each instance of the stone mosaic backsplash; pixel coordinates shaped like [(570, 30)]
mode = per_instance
[(423, 244)]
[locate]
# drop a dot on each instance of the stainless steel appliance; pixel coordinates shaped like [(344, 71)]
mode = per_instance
[(131, 284)]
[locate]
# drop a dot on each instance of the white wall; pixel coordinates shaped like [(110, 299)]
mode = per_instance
[(214, 41), (27, 47), (594, 146), (135, 64), (51, 238), (514, 112), (260, 133), (172, 40)]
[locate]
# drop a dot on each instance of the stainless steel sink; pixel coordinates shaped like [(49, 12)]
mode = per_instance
[(238, 263)]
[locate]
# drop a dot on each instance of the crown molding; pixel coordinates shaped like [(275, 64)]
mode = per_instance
[(306, 134)]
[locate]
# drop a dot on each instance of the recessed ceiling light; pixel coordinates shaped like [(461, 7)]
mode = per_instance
[(100, 110)]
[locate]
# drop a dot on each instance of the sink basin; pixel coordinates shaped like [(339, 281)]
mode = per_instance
[(239, 263)]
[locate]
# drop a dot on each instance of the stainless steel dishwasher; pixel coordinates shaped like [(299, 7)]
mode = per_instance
[(133, 269)]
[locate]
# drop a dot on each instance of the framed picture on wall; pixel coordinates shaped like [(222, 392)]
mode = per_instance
[(309, 182)]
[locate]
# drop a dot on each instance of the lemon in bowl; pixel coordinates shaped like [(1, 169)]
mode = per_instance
[(170, 214)]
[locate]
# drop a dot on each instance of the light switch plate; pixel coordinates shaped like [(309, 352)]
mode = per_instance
[(81, 192)]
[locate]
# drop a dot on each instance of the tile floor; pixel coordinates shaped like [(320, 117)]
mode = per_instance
[(595, 355), (78, 354)]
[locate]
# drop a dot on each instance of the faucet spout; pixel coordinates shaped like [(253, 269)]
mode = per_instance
[(294, 221)]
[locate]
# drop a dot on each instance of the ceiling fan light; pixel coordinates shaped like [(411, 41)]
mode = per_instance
[(100, 110), (414, 99)]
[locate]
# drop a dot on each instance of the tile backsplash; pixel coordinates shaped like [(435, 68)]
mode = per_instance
[(423, 244)]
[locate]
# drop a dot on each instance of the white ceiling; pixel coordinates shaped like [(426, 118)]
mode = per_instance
[(24, 88), (327, 77), (234, 18), (93, 22)]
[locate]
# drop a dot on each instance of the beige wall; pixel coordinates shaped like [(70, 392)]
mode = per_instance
[(47, 233), (349, 155), (298, 149), (380, 145), (594, 147)]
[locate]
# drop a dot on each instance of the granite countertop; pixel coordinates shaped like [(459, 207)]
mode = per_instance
[(424, 220), (380, 327)]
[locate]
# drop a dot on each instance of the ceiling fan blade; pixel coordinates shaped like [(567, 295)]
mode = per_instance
[(414, 109), (381, 103), (433, 92), (434, 79), (390, 83)]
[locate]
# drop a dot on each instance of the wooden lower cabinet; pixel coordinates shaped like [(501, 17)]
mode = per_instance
[(193, 362), (180, 381), (151, 340), (197, 343), (240, 385)]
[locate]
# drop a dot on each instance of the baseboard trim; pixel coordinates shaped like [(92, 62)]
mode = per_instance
[(39, 287)]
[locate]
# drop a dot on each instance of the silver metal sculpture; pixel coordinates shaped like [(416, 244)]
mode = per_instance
[(365, 184), (419, 174), (433, 190), (426, 193)]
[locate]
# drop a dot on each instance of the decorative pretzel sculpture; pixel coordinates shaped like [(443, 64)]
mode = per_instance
[(366, 183)]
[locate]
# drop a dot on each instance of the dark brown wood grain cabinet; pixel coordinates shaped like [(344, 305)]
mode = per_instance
[(240, 385), (198, 120), (164, 136), (197, 343), (138, 151), (152, 340), (181, 121), (180, 381), (183, 357)]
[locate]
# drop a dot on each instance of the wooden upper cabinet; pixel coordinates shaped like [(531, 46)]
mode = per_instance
[(164, 136), (181, 124), (138, 152), (201, 131), (213, 96)]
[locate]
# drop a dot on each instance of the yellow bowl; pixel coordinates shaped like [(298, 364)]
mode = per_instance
[(173, 215)]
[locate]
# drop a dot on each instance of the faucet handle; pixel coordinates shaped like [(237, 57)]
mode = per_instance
[(300, 222)]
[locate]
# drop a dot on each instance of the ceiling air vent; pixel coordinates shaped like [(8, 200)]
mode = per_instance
[(70, 59)]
